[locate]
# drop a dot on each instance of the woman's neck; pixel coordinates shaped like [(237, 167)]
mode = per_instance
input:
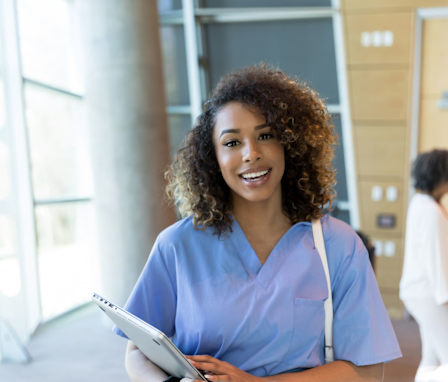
[(260, 216)]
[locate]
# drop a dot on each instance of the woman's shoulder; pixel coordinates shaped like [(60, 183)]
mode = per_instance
[(184, 230), (336, 229), (424, 211), (341, 240), (182, 227)]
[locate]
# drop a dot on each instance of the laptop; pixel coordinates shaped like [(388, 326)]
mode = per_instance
[(156, 346)]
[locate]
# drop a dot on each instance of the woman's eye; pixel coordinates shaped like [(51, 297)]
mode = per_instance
[(231, 143), (266, 136)]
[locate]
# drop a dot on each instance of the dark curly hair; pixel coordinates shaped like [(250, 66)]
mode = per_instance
[(430, 169), (304, 127)]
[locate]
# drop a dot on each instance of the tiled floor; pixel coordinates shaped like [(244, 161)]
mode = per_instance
[(81, 347)]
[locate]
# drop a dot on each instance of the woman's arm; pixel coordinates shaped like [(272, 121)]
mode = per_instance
[(332, 372), (139, 368)]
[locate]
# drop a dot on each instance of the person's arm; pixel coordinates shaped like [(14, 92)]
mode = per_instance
[(140, 368), (332, 372)]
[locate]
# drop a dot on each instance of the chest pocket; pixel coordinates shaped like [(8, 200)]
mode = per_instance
[(307, 342)]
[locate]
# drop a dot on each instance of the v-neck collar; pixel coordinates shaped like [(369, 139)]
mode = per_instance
[(262, 273)]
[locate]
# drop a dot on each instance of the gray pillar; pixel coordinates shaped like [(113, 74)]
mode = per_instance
[(125, 113)]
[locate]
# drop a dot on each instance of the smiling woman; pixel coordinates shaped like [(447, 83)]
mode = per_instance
[(301, 124), (237, 283)]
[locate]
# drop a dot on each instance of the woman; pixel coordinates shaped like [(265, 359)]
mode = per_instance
[(238, 283), (424, 282)]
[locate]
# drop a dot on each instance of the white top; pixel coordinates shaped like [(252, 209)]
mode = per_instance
[(425, 269)]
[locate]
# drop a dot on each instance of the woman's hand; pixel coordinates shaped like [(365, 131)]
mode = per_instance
[(216, 370)]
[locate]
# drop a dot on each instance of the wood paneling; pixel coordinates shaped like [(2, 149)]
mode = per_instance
[(434, 70), (380, 150), (399, 24), (390, 4), (433, 123), (433, 132), (388, 269), (379, 95), (393, 304), (370, 209)]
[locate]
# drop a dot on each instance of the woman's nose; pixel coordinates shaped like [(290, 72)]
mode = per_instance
[(251, 152)]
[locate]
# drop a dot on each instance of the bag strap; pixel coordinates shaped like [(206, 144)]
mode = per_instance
[(328, 304)]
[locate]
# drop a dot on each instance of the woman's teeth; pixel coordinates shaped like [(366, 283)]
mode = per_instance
[(253, 175)]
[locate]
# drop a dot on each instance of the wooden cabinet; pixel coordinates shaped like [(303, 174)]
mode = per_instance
[(351, 5), (381, 215), (380, 150), (393, 303), (434, 76), (433, 126), (379, 95), (381, 38), (433, 122), (388, 268)]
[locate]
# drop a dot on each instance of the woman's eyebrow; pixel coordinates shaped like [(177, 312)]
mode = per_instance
[(258, 127), (229, 131)]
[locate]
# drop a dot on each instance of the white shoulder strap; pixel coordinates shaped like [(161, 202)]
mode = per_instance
[(328, 304)]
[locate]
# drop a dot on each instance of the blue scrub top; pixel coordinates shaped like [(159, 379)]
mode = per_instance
[(213, 296)]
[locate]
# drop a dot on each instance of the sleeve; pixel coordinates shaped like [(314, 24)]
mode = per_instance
[(154, 296), (438, 259), (362, 331)]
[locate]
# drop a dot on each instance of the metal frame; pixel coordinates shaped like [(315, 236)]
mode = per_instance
[(26, 247), (192, 53), (52, 88), (346, 124), (192, 17)]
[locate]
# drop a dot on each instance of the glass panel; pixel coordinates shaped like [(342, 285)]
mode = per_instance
[(168, 5), (10, 280), (2, 105), (285, 44), (66, 256), (7, 236), (266, 3), (175, 65), (58, 144), (48, 44), (5, 179), (341, 214), (179, 126), (339, 162)]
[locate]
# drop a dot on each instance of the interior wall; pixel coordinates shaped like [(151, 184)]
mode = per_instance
[(380, 39)]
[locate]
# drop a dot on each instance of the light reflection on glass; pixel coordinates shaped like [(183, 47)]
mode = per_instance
[(10, 281)]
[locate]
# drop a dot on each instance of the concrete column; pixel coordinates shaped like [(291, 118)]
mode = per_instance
[(125, 113)]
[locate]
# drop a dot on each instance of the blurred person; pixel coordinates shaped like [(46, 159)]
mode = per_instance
[(238, 283), (424, 282)]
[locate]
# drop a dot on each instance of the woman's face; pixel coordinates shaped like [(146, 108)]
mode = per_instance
[(249, 154)]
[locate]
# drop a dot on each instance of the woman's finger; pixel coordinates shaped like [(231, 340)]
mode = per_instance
[(201, 358)]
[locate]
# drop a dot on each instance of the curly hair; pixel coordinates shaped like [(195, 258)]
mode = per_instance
[(430, 169), (304, 127)]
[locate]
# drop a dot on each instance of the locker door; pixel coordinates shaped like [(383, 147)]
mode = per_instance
[(433, 124)]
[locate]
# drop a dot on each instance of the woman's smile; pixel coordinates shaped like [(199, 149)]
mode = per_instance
[(256, 177)]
